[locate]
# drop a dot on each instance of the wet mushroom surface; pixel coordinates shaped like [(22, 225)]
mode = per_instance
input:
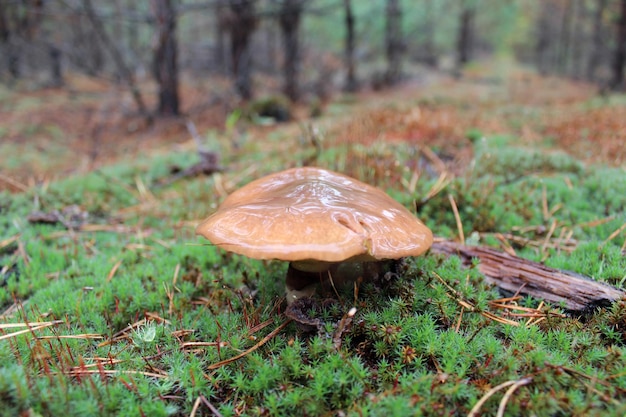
[(315, 219)]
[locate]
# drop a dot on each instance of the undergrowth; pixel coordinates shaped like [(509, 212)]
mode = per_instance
[(133, 314)]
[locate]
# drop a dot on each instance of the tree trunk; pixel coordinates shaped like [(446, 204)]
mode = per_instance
[(125, 73), (597, 45), (351, 83), (165, 67), (242, 24), (56, 74), (544, 37), (9, 50), (577, 35), (221, 26), (465, 36), (430, 56), (619, 58), (133, 39), (565, 39), (290, 17), (393, 41)]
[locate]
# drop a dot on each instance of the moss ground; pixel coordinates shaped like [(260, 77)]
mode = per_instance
[(133, 315)]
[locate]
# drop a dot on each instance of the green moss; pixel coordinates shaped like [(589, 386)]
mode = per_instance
[(412, 348)]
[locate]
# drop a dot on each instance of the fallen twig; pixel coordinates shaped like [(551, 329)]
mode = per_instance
[(514, 275)]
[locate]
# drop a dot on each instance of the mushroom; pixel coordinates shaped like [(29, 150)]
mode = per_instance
[(315, 219)]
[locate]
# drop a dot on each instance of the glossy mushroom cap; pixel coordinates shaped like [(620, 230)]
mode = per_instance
[(311, 214)]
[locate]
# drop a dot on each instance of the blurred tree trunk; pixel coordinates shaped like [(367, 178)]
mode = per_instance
[(221, 27), (597, 44), (133, 40), (393, 41), (164, 63), (619, 57), (56, 72), (578, 34), (6, 42), (272, 37), (544, 37), (18, 19), (465, 35), (565, 38), (85, 50), (430, 56), (242, 23), (124, 71), (351, 83), (290, 15)]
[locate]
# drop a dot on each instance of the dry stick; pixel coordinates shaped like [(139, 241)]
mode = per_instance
[(476, 408), (202, 344), (22, 251), (439, 185), (35, 324), (470, 307), (170, 294), (113, 270), (31, 329), (332, 284), (506, 246), (80, 372), (434, 159), (343, 325), (18, 186), (210, 406), (509, 393), (144, 192), (457, 217), (615, 233), (10, 311), (252, 349), (513, 274), (74, 336), (8, 241), (532, 313), (576, 374), (546, 241), (596, 222), (191, 128), (195, 407)]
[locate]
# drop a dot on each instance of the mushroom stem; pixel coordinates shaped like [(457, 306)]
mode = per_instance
[(300, 284), (298, 279)]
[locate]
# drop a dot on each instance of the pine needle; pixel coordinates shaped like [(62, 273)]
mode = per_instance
[(509, 393), (252, 349), (82, 372), (456, 296), (513, 386), (6, 242), (31, 327)]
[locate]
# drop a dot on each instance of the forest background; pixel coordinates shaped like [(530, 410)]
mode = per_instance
[(124, 123)]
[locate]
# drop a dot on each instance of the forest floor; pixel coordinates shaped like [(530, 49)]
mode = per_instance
[(110, 305), (53, 133)]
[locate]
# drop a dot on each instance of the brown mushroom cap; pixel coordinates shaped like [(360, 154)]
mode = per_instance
[(311, 214)]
